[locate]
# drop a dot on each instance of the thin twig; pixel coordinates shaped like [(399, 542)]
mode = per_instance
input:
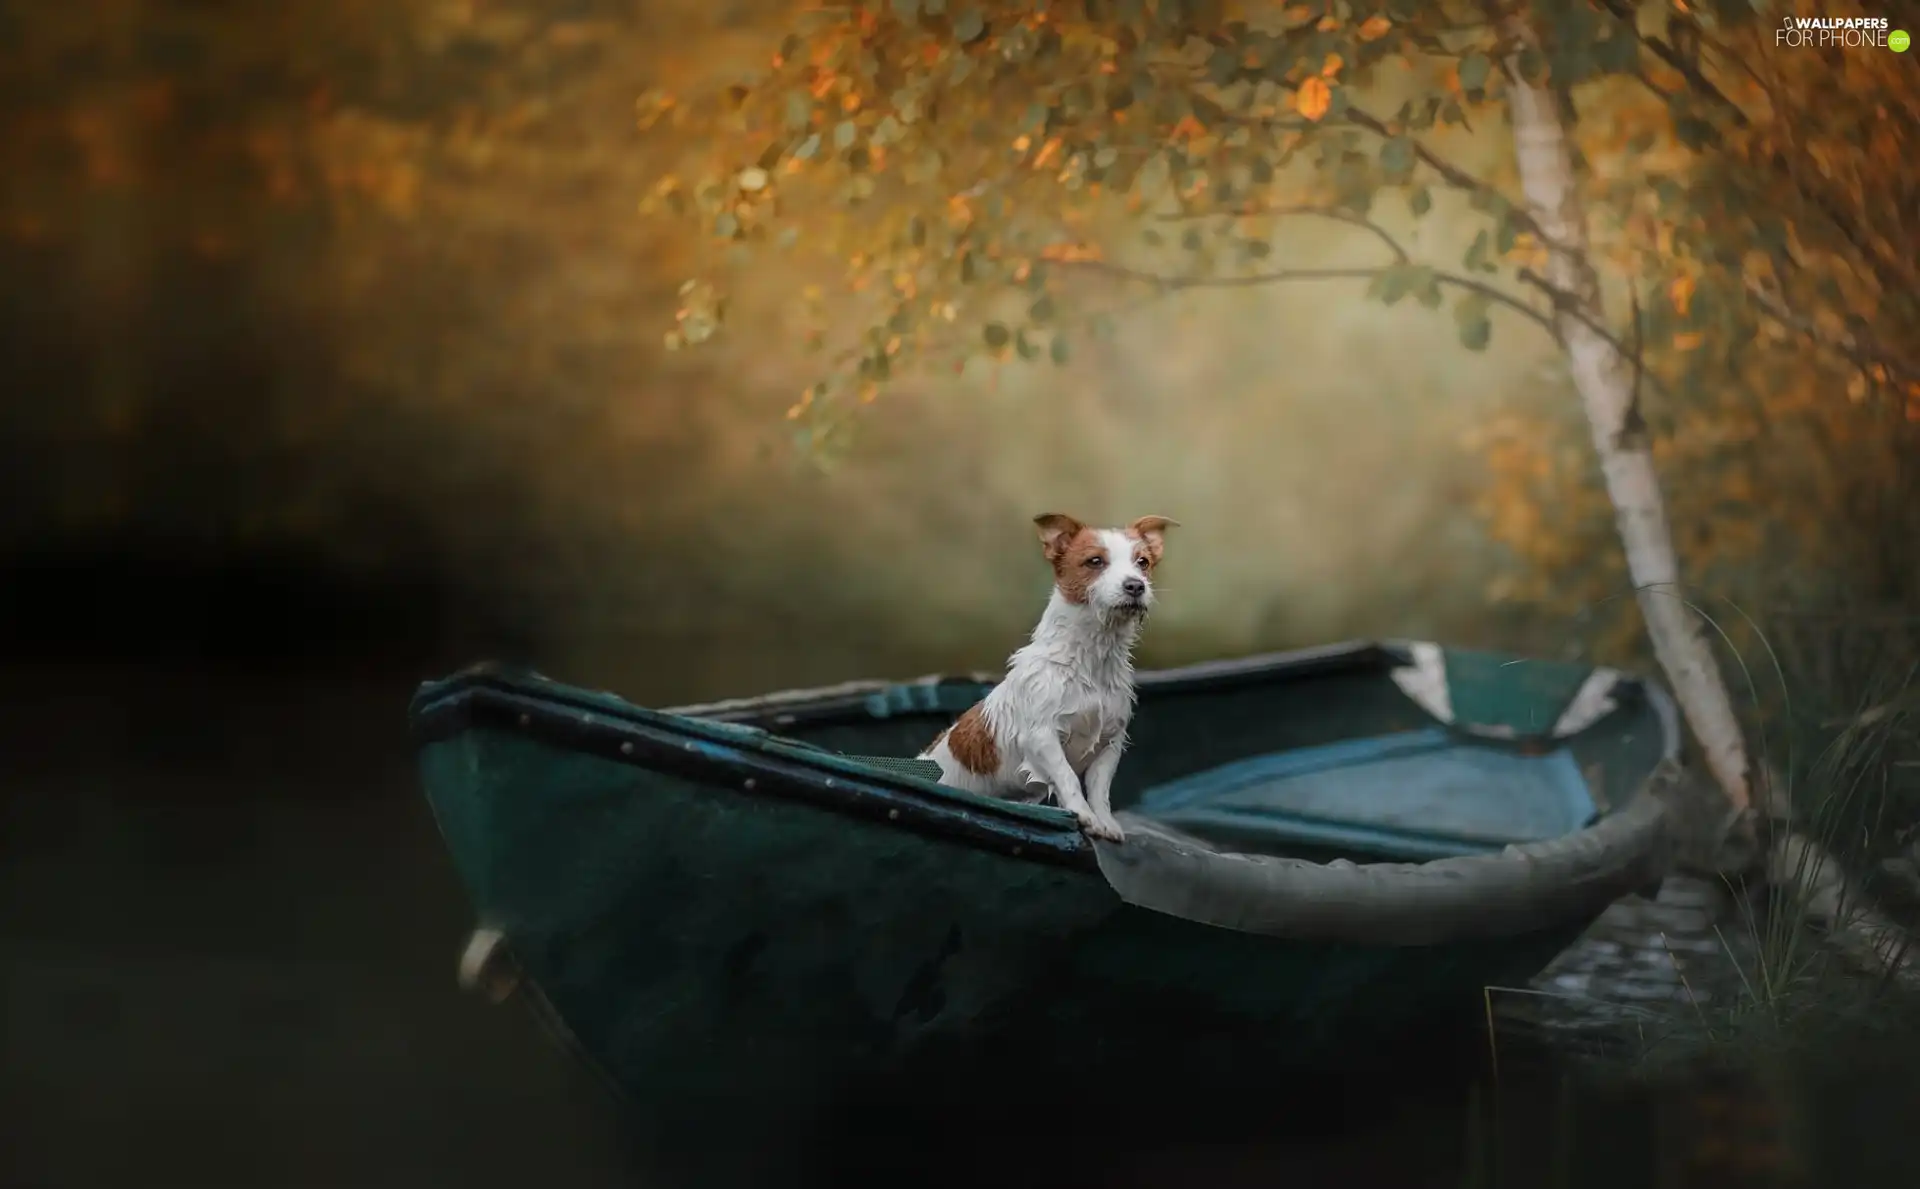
[(1177, 284), (1335, 213)]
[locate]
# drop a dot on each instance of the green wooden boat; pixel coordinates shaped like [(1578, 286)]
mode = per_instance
[(767, 899)]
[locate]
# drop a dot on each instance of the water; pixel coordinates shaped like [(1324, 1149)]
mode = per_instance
[(230, 935)]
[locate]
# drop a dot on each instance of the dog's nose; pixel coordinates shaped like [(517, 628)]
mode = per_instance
[(1134, 588)]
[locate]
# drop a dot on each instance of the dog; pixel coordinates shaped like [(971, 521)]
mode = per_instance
[(1058, 722)]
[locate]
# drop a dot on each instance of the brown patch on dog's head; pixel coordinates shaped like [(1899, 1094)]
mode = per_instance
[(972, 745), (1078, 554), (1151, 533)]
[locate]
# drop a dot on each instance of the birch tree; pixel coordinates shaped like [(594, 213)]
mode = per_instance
[(1608, 386)]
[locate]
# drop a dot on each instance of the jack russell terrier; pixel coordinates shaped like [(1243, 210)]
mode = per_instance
[(1058, 722)]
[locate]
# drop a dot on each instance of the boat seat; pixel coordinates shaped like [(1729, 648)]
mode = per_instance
[(1415, 794)]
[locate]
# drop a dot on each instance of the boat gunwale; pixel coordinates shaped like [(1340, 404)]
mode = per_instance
[(755, 765), (795, 705)]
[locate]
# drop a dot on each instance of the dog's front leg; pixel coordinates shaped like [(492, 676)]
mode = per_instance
[(1099, 788), (1049, 762)]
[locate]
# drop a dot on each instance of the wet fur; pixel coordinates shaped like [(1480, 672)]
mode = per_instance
[(1057, 724)]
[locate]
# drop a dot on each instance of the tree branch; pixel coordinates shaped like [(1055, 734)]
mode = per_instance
[(1862, 352), (1335, 213), (1448, 172), (1777, 163), (1625, 12), (1166, 284)]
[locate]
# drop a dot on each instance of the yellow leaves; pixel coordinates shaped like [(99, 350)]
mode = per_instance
[(699, 315), (1680, 292), (1330, 69), (1313, 98), (651, 107), (1374, 28), (799, 408), (1047, 153), (1689, 341)]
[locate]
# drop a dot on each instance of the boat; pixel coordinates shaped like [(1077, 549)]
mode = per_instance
[(769, 898)]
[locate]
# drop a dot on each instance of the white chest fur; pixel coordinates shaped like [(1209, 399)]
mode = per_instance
[(1075, 676)]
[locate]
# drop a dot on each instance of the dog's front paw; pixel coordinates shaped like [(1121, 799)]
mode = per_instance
[(1104, 827)]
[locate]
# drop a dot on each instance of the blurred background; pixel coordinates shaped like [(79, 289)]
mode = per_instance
[(333, 351)]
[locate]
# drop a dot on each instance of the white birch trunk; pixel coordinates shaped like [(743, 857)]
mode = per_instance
[(1604, 378)]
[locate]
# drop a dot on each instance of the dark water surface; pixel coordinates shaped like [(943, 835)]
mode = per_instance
[(230, 934)]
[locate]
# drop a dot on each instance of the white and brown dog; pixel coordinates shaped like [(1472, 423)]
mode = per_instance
[(1058, 722)]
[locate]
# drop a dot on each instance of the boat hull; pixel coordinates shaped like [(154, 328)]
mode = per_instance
[(719, 924)]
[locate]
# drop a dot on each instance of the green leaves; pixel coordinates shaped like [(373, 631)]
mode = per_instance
[(1471, 321), (1419, 200), (1057, 350), (995, 335), (969, 26), (1389, 285), (1397, 159), (1476, 259), (1425, 286), (1396, 281), (1474, 69), (1507, 233)]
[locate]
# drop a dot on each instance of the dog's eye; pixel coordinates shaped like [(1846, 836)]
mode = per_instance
[(1146, 563), (1095, 562)]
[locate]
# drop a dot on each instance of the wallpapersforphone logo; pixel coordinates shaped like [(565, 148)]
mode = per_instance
[(1842, 32)]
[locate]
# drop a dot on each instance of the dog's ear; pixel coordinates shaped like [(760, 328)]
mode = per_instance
[(1056, 530), (1153, 530)]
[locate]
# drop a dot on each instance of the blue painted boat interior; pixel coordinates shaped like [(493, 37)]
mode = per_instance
[(1422, 794)]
